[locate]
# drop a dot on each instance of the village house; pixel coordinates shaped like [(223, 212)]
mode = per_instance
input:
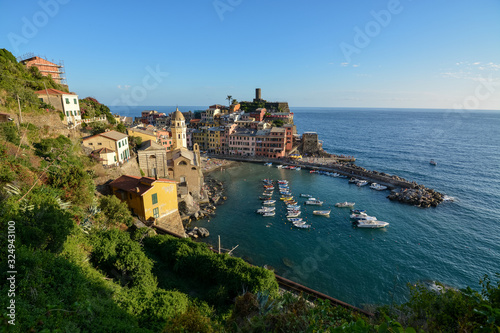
[(151, 199), (112, 140), (62, 101)]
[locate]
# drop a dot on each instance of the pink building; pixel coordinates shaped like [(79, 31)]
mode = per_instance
[(271, 143), (242, 142)]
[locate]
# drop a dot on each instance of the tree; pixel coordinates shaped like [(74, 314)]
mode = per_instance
[(229, 99), (121, 128), (113, 212)]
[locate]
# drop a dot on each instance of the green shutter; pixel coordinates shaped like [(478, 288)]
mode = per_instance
[(154, 197)]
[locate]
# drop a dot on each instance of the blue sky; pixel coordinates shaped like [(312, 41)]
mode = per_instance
[(335, 53)]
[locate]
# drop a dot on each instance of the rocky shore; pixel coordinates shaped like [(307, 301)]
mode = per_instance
[(214, 193)]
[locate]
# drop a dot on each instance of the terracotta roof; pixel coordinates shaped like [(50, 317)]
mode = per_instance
[(132, 183), (195, 120), (53, 92)]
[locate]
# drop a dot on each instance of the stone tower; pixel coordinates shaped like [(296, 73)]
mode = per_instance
[(178, 128)]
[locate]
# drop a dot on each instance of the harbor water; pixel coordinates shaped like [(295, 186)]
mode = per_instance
[(455, 243)]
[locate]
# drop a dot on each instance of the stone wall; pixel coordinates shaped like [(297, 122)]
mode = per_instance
[(155, 159)]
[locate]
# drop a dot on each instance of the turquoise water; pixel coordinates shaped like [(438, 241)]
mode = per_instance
[(455, 243)]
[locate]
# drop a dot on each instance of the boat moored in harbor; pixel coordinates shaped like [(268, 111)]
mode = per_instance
[(345, 204), (322, 212)]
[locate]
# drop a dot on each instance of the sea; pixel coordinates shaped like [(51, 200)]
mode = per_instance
[(455, 244)]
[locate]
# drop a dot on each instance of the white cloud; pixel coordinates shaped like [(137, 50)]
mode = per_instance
[(344, 64), (123, 87), (356, 65)]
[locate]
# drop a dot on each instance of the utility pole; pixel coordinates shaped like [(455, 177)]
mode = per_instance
[(20, 116), (219, 244)]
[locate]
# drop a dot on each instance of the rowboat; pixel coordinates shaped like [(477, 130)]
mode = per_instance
[(314, 202)]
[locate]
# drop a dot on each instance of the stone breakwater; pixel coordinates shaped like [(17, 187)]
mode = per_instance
[(419, 196)]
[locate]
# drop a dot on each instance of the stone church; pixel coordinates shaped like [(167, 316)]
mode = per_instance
[(179, 164)]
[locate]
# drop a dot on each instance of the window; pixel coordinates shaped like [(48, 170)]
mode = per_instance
[(115, 157), (156, 212), (67, 100), (99, 143), (154, 197), (67, 113), (119, 144), (74, 100)]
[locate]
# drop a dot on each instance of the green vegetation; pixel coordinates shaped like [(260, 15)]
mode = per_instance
[(252, 106), (277, 123), (90, 108)]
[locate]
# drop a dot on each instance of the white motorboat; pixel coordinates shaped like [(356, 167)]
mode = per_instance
[(344, 204), (362, 216), (279, 166), (269, 202), (268, 164), (303, 195), (353, 180), (361, 183), (292, 207), (269, 214), (314, 202), (378, 187), (295, 219), (322, 212), (293, 214), (373, 224), (301, 225), (432, 162), (264, 210), (297, 168)]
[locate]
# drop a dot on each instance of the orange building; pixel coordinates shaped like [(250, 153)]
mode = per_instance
[(46, 68)]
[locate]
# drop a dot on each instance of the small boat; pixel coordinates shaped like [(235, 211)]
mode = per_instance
[(282, 181), (269, 202), (313, 171), (361, 183), (432, 162), (269, 214), (286, 198), (291, 203), (314, 202), (298, 168), (358, 211), (344, 204), (303, 195), (372, 224), (268, 164), (322, 212), (293, 214), (268, 194), (279, 166), (353, 180), (265, 210), (378, 187), (301, 225), (295, 219), (292, 207), (362, 216), (269, 187)]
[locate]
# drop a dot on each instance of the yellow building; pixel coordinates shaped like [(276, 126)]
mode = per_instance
[(144, 135), (214, 139), (178, 128), (151, 200)]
